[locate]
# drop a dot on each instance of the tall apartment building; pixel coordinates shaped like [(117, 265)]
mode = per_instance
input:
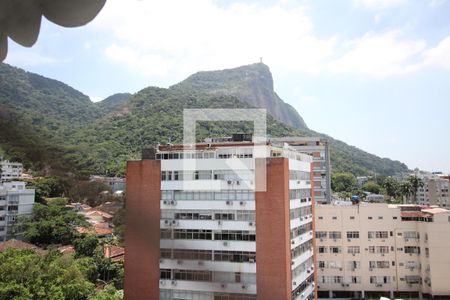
[(198, 229), (318, 148), (434, 190), (372, 250), (15, 201), (10, 170)]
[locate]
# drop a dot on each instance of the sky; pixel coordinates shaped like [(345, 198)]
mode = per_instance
[(372, 73)]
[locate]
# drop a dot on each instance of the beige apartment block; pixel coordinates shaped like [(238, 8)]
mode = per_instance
[(370, 250)]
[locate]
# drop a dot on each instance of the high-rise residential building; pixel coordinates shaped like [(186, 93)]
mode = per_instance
[(318, 148), (199, 228), (372, 250), (10, 170), (15, 201), (434, 190)]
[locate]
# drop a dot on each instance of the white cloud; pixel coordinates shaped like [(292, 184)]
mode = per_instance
[(160, 37), (379, 4), (175, 38), (379, 55), (438, 56)]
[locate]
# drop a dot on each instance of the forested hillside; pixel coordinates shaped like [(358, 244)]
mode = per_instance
[(52, 127)]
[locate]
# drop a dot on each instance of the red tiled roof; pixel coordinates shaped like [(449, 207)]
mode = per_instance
[(20, 245), (415, 214), (116, 253)]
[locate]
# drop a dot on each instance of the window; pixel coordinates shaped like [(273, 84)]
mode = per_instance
[(355, 279), (334, 218), (321, 234), (321, 264), (412, 250), (380, 218), (335, 250), (320, 218), (353, 234), (353, 265), (353, 249), (352, 217), (322, 249), (377, 234), (334, 234), (395, 218)]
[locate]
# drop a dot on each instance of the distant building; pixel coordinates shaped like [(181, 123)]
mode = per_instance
[(319, 149), (372, 250), (374, 198), (204, 232), (115, 183), (434, 191), (10, 170), (15, 201)]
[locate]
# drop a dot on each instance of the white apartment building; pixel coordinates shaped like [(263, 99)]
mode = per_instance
[(371, 250), (319, 149), (10, 170), (15, 200), (434, 190), (219, 238)]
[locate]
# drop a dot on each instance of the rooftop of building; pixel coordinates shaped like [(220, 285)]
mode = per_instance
[(17, 244)]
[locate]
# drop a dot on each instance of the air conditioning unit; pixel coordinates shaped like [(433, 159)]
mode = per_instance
[(173, 202), (308, 271), (321, 240), (238, 182), (174, 223), (161, 260), (229, 182), (242, 203), (225, 243), (201, 263), (251, 223), (180, 262), (223, 285), (292, 242), (379, 285), (382, 254), (251, 260), (370, 269), (162, 282), (219, 222), (343, 284), (229, 202), (244, 287), (406, 240), (166, 222), (294, 283), (292, 262), (174, 282), (347, 285), (353, 254)]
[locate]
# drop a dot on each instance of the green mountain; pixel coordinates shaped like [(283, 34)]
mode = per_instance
[(52, 126), (113, 102), (252, 84)]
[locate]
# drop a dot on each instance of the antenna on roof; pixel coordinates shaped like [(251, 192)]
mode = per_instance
[(260, 60)]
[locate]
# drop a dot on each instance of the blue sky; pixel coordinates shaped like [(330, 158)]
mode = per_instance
[(373, 73)]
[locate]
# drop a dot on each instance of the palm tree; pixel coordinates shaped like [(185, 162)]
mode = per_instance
[(391, 187), (406, 190), (416, 183)]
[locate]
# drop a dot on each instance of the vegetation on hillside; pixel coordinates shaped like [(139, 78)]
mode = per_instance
[(54, 129)]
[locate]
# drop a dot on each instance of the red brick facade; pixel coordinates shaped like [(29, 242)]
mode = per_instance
[(142, 233), (273, 247)]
